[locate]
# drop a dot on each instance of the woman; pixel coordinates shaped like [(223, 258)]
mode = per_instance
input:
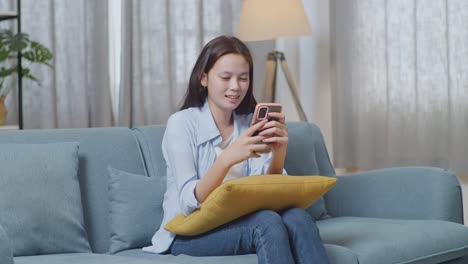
[(208, 142)]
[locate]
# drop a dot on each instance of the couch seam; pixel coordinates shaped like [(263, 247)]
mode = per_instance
[(134, 132)]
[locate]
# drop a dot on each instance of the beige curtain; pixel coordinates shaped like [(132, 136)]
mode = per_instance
[(160, 42), (400, 83), (75, 93)]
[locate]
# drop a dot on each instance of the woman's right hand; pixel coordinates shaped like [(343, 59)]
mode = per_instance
[(245, 146)]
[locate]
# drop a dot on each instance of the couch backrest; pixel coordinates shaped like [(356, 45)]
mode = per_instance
[(307, 153), (138, 151), (98, 149), (150, 140)]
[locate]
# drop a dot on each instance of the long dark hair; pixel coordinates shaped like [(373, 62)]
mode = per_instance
[(196, 94)]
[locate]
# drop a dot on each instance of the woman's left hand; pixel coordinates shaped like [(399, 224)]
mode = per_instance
[(276, 132)]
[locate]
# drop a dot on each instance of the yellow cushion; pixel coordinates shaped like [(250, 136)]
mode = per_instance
[(239, 197)]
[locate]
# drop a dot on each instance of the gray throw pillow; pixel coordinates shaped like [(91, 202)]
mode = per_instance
[(40, 199), (6, 256), (135, 203)]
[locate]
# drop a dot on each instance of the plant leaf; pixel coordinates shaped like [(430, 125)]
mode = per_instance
[(40, 53), (10, 44), (4, 52), (4, 72)]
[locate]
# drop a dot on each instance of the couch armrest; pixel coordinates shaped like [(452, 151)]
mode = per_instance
[(6, 255), (398, 193)]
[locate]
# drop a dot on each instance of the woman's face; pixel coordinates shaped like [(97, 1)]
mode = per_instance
[(227, 82)]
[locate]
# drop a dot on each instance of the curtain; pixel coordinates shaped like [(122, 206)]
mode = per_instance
[(160, 42), (400, 83), (75, 93), (308, 58)]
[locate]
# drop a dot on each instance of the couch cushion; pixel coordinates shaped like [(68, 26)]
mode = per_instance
[(184, 259), (40, 201), (240, 197), (396, 241), (462, 260), (340, 255), (85, 258), (135, 209), (6, 255), (99, 148), (336, 255)]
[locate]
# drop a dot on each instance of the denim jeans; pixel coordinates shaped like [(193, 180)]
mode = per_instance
[(287, 237)]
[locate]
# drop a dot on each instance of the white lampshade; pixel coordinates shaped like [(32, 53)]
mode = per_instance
[(271, 19)]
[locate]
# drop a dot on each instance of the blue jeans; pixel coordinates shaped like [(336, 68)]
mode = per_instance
[(287, 237)]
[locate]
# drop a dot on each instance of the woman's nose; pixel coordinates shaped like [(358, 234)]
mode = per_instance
[(234, 85)]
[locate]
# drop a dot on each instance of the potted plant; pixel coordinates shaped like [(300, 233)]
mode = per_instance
[(31, 51)]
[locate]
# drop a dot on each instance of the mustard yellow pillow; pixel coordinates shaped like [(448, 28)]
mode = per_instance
[(242, 196)]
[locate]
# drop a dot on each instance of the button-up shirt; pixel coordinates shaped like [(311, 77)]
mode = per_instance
[(188, 147)]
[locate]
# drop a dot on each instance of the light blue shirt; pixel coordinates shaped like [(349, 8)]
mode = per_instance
[(188, 147)]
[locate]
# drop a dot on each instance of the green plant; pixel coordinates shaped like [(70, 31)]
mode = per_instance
[(31, 51)]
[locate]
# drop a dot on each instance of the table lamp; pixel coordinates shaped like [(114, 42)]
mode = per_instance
[(269, 20)]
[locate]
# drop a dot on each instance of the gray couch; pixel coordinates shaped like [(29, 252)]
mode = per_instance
[(397, 215)]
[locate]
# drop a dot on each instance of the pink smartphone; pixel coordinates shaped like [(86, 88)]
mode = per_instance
[(261, 112)]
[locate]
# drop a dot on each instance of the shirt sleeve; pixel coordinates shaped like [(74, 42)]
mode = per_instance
[(179, 151)]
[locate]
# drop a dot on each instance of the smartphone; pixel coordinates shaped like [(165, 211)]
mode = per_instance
[(261, 112)]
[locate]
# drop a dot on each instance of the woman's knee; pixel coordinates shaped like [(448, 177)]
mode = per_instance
[(270, 237), (296, 213), (267, 216), (297, 217), (270, 223)]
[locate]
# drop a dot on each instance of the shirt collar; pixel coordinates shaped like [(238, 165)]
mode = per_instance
[(207, 129)]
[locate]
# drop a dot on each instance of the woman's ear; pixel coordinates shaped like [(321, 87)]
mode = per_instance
[(204, 80)]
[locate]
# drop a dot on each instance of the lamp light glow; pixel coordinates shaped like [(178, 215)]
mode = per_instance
[(271, 19)]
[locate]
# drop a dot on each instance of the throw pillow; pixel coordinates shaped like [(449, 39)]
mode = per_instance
[(6, 256), (40, 198), (135, 203), (239, 197)]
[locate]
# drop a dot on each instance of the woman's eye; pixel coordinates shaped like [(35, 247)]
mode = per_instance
[(225, 78), (244, 79)]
